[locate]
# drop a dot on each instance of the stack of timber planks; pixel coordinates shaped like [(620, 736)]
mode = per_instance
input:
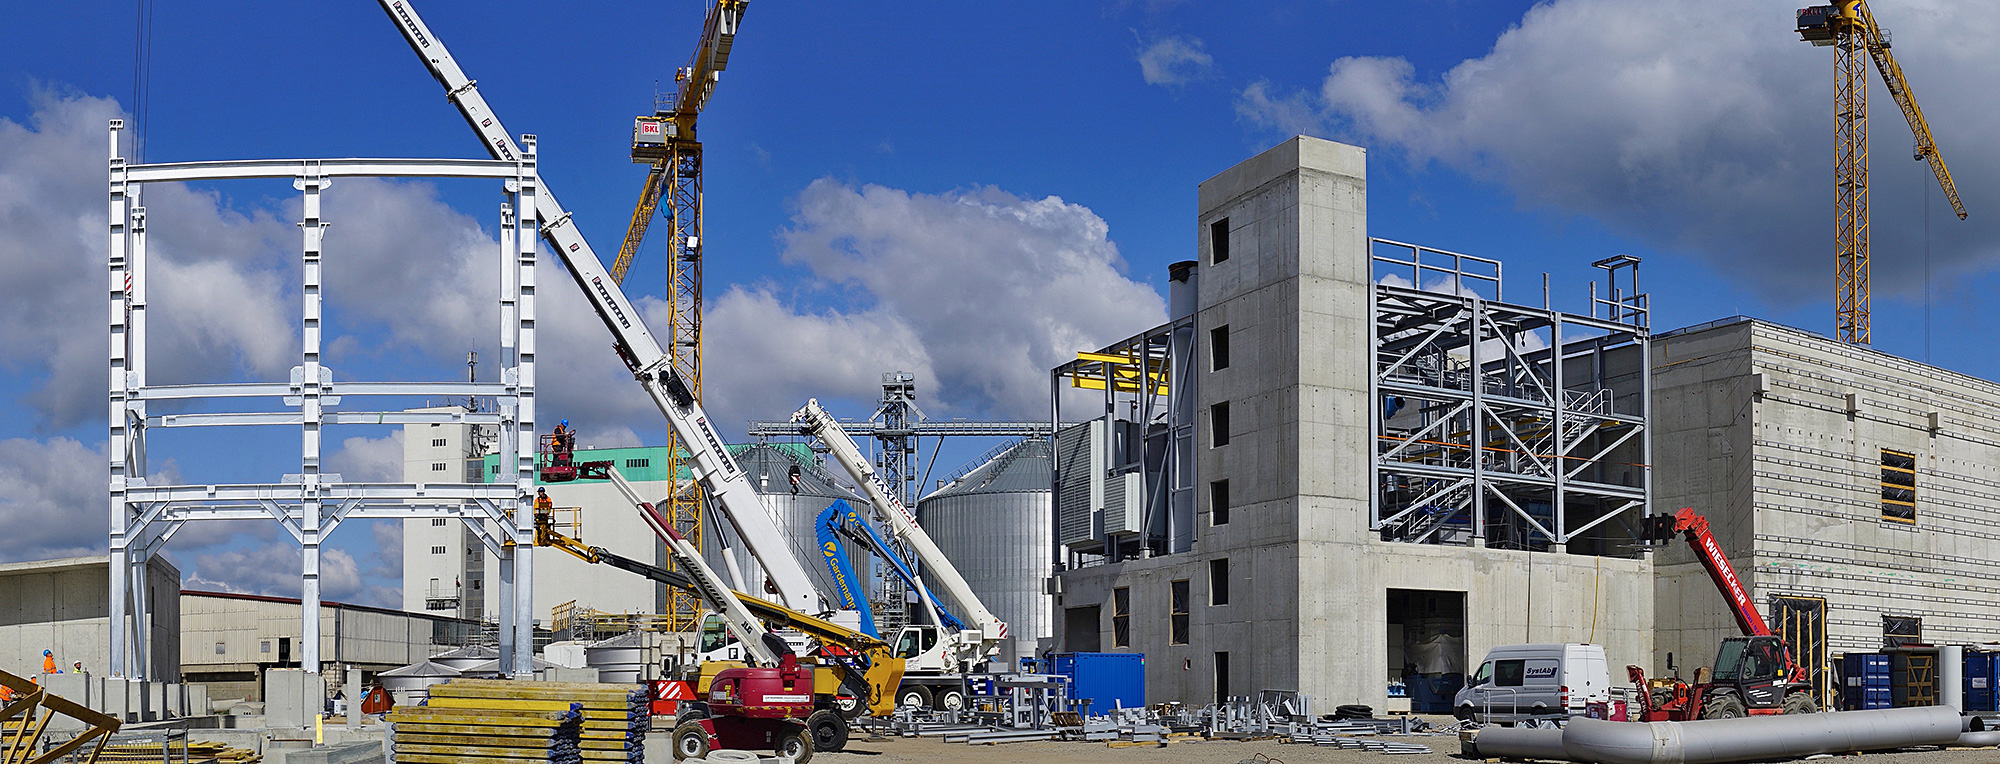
[(197, 753), (519, 722)]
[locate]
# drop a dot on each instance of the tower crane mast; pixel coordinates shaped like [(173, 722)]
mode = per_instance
[(666, 140), (1849, 26)]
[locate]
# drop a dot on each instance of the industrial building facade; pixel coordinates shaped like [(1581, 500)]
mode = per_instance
[(1292, 572), (1848, 486)]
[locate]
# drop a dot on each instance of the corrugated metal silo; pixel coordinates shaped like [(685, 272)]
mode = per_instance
[(768, 467), (994, 525)]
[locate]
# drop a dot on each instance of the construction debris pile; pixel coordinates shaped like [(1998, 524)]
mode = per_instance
[(539, 721)]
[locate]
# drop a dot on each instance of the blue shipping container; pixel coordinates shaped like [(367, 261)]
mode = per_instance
[(1980, 687), (1864, 681), (1107, 680)]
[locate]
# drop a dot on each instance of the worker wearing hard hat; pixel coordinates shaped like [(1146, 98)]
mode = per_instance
[(542, 501)]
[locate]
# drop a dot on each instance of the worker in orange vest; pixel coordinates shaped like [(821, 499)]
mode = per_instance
[(48, 661)]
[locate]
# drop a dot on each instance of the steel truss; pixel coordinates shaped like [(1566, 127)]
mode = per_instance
[(311, 504), (1481, 436)]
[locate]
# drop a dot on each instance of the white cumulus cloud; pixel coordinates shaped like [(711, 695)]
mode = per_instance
[(1173, 60), (1703, 127)]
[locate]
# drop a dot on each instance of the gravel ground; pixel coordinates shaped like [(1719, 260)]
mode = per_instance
[(932, 750)]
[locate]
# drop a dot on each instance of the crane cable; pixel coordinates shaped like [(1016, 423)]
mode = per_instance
[(142, 76)]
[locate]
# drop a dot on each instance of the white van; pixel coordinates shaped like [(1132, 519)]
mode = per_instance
[(1535, 683)]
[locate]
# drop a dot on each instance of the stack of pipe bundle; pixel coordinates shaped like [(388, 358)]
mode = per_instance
[(612, 719)]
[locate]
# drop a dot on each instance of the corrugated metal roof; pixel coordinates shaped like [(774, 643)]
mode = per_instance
[(1025, 467), (775, 461)]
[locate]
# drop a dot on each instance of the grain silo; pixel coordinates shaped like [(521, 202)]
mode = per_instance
[(796, 501), (993, 523)]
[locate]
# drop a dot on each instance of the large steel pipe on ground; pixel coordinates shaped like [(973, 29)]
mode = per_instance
[(1512, 743), (1757, 738)]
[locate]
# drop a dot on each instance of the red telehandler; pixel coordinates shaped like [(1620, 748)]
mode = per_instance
[(1754, 674)]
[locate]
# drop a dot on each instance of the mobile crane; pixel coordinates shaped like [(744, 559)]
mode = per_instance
[(1754, 674), (719, 475), (938, 657), (852, 664)]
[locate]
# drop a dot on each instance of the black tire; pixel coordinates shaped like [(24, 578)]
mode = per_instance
[(828, 730), (690, 741), (913, 696), (690, 711), (1723, 707), (848, 706), (1801, 703), (951, 699), (796, 744)]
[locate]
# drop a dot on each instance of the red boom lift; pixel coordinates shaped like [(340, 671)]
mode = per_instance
[(1754, 674)]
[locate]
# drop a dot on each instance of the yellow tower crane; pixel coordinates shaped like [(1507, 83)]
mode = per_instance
[(1850, 28), (666, 140)]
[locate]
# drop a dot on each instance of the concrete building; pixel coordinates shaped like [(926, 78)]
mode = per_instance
[(1345, 519), (1849, 487), (445, 565), (63, 605), (228, 640)]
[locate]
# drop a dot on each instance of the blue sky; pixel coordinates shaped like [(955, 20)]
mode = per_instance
[(969, 191)]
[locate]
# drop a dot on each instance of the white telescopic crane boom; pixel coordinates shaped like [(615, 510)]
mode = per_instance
[(756, 639), (711, 464), (814, 421)]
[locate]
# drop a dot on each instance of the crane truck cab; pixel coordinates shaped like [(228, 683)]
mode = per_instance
[(1533, 684)]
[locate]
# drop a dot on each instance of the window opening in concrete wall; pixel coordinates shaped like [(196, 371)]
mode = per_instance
[(1218, 502), (437, 466), (1218, 581), (1222, 677), (1080, 625), (1218, 348), (1218, 425), (1426, 634), (1218, 241), (1178, 621), (438, 441), (437, 550), (437, 522), (1121, 617), (1899, 486), (637, 463), (1899, 630), (218, 648)]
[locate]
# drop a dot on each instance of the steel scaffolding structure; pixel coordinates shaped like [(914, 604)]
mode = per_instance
[(311, 504), (1501, 424)]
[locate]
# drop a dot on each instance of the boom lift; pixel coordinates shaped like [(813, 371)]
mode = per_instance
[(719, 475), (938, 657), (855, 664), (1754, 674)]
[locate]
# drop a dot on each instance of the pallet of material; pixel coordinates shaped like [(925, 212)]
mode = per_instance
[(197, 753), (512, 721)]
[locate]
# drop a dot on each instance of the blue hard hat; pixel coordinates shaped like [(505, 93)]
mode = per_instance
[(565, 423)]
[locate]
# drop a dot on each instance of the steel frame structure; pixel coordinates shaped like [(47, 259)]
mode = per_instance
[(311, 504), (1138, 372), (1477, 428)]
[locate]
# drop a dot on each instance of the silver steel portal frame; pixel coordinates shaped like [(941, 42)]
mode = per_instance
[(1502, 424), (311, 504)]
